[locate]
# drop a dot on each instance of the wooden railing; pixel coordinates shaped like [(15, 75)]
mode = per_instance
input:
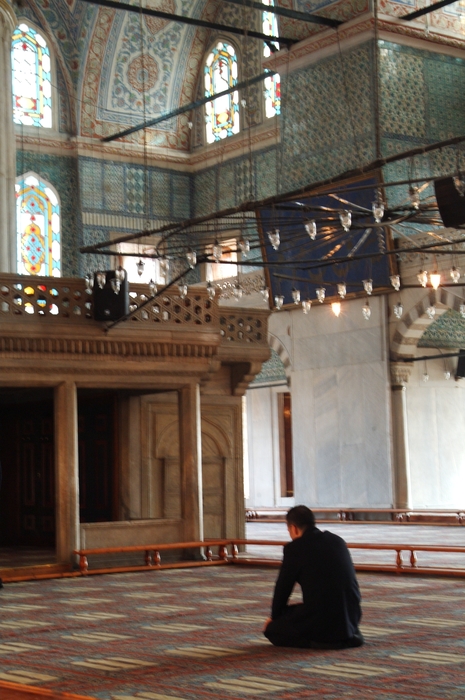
[(152, 558), (348, 515), (26, 300)]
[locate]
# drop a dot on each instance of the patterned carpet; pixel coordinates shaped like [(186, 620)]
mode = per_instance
[(196, 633)]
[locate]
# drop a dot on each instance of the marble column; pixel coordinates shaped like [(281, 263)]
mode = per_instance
[(66, 471), (400, 373), (191, 461), (7, 144)]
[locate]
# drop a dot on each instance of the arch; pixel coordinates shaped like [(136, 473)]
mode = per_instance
[(38, 222), (221, 73), (279, 348), (414, 323), (31, 77)]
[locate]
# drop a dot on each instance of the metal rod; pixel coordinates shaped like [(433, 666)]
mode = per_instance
[(192, 105), (284, 12), (427, 10), (460, 353), (191, 20), (312, 188)]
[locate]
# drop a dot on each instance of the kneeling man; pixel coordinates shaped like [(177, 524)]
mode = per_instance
[(330, 613)]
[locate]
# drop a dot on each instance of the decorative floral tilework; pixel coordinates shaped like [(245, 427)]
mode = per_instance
[(448, 331)]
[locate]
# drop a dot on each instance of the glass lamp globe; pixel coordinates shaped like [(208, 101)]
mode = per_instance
[(346, 219), (191, 257), (306, 306), (455, 275), (296, 296), (115, 285), (244, 245), (395, 281), (101, 279), (414, 195), (211, 291), (378, 211), (278, 302), (368, 286), (140, 267), (321, 294), (342, 289), (422, 277), (310, 227), (275, 238), (89, 278), (398, 310), (366, 311), (120, 273), (182, 290), (265, 292)]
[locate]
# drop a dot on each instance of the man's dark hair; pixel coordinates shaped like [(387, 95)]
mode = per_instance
[(301, 516)]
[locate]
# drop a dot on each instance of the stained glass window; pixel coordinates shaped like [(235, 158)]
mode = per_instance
[(38, 227), (32, 88), (272, 85), (222, 114)]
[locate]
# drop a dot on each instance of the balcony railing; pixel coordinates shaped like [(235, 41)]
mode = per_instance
[(32, 300)]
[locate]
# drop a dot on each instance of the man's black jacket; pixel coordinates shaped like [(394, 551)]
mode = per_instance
[(320, 562)]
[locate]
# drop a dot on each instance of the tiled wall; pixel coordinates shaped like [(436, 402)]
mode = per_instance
[(120, 188), (422, 100)]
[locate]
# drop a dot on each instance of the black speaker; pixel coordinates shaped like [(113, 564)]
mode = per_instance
[(460, 372), (109, 306), (450, 204)]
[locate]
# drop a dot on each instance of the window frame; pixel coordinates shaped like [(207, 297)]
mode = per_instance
[(214, 45), (20, 182), (54, 97)]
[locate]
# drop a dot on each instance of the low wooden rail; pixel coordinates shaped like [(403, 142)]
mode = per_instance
[(152, 556), (403, 516)]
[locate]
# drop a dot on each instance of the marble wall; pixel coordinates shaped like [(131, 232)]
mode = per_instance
[(436, 423), (340, 405), (263, 487), (435, 409)]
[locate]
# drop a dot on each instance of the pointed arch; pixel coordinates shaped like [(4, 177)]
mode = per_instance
[(415, 322), (38, 223), (276, 345)]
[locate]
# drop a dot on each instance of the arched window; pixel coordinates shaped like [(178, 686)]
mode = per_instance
[(38, 227), (222, 114), (273, 83), (32, 87)]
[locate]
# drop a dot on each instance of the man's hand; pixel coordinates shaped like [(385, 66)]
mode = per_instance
[(267, 623)]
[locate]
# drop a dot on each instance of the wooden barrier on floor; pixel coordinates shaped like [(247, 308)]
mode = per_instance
[(153, 560), (399, 516)]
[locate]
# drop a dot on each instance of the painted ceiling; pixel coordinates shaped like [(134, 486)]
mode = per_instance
[(103, 53)]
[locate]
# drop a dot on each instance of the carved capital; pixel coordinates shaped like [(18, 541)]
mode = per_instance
[(400, 373)]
